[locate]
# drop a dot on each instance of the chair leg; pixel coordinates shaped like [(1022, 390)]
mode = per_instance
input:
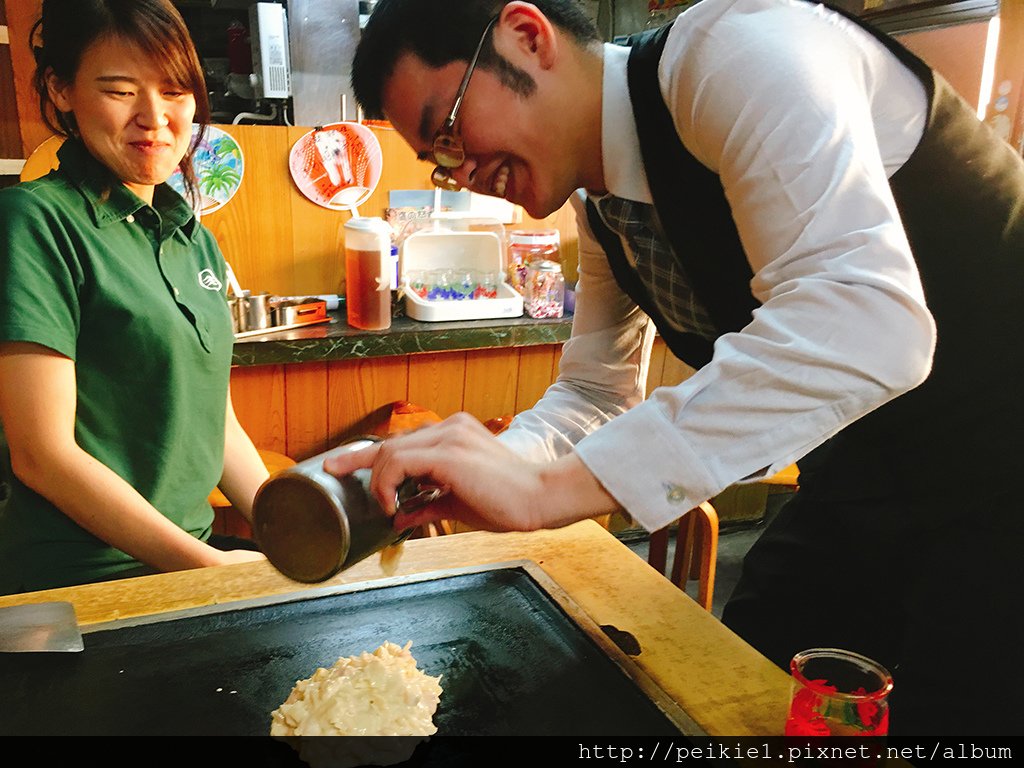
[(686, 537), (696, 552), (438, 528), (708, 555), (657, 550)]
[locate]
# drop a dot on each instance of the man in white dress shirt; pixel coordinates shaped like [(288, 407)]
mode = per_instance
[(818, 225)]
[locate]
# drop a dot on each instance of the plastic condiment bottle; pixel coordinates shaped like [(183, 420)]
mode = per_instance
[(368, 273)]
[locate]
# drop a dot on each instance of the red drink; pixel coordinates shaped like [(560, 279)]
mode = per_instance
[(838, 693)]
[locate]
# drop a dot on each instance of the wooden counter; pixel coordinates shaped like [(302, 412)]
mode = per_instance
[(725, 686)]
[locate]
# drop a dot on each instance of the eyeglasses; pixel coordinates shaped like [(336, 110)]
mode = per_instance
[(447, 149)]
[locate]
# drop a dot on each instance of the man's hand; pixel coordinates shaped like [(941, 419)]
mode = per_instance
[(490, 487)]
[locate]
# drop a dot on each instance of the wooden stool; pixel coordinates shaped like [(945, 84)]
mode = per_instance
[(403, 416), (227, 521), (696, 551)]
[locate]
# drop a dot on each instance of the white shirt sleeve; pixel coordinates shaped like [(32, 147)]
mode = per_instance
[(793, 130), (603, 369)]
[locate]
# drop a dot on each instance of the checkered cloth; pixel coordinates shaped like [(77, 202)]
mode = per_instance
[(657, 267)]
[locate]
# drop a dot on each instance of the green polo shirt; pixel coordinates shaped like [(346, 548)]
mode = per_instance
[(135, 296)]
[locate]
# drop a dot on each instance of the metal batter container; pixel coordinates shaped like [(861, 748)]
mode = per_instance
[(311, 524)]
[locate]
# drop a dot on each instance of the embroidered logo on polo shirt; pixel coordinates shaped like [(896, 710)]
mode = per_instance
[(209, 280)]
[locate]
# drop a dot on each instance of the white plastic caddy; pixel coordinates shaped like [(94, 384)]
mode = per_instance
[(443, 249)]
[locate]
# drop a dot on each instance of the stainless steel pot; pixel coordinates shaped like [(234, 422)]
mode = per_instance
[(299, 311), (239, 306), (259, 314)]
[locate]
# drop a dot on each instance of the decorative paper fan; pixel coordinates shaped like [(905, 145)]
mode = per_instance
[(219, 167), (337, 166)]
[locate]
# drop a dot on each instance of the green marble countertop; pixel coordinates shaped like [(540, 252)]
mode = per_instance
[(337, 341)]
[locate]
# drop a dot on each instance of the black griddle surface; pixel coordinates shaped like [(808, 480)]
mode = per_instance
[(512, 664)]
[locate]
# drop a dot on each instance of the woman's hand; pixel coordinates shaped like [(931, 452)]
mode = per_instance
[(240, 556), (490, 487)]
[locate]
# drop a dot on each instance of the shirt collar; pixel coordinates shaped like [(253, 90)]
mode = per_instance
[(111, 201), (620, 146)]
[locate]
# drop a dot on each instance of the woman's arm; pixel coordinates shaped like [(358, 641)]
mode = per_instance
[(244, 470), (37, 409)]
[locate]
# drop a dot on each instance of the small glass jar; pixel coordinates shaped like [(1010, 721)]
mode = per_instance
[(526, 246), (545, 289)]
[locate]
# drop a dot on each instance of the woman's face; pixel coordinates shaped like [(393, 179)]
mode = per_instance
[(129, 115)]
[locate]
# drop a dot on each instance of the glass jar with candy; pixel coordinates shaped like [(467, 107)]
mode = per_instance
[(545, 289), (526, 246)]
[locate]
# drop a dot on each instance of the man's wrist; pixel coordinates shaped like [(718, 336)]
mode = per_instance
[(571, 492)]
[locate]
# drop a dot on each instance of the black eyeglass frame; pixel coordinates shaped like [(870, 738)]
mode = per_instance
[(447, 148)]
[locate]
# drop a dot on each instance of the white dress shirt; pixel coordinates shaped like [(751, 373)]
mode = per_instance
[(804, 116)]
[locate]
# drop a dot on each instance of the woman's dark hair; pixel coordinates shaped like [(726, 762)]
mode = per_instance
[(442, 31), (68, 27)]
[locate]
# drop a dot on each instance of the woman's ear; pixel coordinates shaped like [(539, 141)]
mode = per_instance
[(58, 91)]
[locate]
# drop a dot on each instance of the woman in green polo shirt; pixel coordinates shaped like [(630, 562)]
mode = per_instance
[(115, 337)]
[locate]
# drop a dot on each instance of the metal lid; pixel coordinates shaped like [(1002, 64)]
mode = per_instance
[(546, 266), (300, 527)]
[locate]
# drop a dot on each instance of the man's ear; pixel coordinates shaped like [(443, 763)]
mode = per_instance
[(531, 32)]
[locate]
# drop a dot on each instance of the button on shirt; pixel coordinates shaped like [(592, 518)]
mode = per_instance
[(135, 295), (843, 325)]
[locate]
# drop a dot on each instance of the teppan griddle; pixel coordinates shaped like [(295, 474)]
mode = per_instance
[(516, 657)]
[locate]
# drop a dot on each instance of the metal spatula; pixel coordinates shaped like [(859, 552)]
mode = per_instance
[(40, 627)]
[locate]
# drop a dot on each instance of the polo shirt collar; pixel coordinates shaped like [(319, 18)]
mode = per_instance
[(111, 201), (620, 145)]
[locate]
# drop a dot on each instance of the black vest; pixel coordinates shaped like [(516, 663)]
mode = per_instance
[(961, 199)]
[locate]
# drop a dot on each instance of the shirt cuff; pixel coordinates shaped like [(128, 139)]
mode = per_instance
[(648, 467)]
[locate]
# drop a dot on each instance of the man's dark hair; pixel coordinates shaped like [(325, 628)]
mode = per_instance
[(442, 31)]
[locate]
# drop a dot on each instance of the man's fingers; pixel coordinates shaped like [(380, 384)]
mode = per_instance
[(344, 462), (392, 469)]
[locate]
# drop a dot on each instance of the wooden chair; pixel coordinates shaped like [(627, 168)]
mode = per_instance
[(696, 552), (787, 478), (227, 520)]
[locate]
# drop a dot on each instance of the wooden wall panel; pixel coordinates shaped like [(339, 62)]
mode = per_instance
[(536, 372), (306, 409), (253, 228), (21, 15), (258, 394), (318, 264), (437, 381), (359, 388), (10, 132), (492, 377)]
